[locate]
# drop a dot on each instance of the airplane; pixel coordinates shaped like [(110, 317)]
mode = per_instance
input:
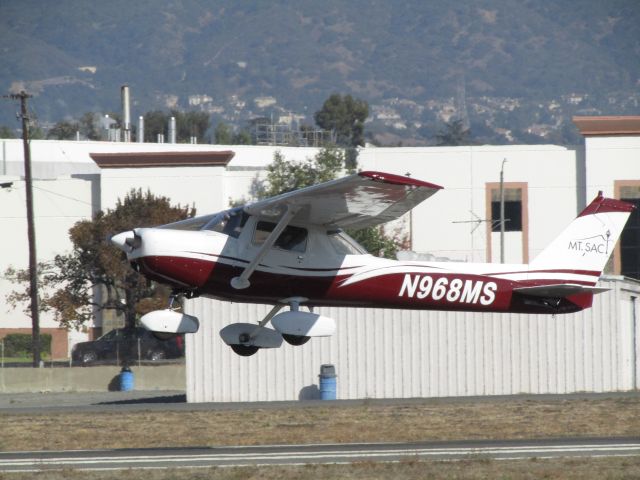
[(292, 250)]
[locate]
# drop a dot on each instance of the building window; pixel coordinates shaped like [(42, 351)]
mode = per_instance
[(512, 210), (630, 238)]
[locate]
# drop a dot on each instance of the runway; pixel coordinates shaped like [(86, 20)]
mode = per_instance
[(314, 454)]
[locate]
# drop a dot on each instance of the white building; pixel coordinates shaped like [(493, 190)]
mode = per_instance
[(546, 187)]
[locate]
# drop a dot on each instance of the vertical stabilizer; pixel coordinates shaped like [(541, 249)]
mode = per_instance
[(585, 246)]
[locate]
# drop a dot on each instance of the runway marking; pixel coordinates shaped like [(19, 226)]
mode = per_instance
[(305, 454)]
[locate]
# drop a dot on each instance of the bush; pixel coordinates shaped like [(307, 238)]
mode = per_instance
[(19, 344)]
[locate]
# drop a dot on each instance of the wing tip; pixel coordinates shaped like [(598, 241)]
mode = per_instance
[(397, 179)]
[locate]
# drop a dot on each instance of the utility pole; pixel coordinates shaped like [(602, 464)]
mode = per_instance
[(502, 220), (31, 232)]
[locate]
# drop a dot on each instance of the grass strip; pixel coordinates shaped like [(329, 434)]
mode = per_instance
[(421, 421)]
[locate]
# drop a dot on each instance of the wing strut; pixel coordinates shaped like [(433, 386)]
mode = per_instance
[(242, 281)]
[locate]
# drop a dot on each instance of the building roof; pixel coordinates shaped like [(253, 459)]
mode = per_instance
[(611, 125), (162, 159)]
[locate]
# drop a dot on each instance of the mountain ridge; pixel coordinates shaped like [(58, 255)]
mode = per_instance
[(300, 52)]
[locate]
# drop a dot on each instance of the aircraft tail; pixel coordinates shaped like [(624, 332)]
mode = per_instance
[(584, 247)]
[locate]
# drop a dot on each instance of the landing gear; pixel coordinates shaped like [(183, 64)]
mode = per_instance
[(246, 339), (244, 350), (296, 340), (177, 295)]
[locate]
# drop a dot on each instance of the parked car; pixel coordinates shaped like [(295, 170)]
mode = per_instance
[(127, 345)]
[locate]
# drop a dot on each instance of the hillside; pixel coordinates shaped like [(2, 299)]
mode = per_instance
[(510, 64)]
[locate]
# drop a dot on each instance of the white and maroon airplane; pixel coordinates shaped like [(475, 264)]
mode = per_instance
[(291, 250)]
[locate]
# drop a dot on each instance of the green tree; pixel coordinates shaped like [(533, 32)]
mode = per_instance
[(190, 124), (63, 131), (35, 133), (6, 132), (285, 176), (70, 282), (222, 134), (88, 125), (155, 122), (345, 117), (454, 134), (242, 138), (377, 242)]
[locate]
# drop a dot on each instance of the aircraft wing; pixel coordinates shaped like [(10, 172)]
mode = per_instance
[(558, 290), (362, 200)]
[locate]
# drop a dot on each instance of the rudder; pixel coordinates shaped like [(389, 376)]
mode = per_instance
[(584, 247)]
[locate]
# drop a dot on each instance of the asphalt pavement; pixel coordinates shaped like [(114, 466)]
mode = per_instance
[(315, 454)]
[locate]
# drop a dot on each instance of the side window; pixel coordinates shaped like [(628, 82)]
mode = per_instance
[(292, 238), (343, 244), (512, 210), (630, 238)]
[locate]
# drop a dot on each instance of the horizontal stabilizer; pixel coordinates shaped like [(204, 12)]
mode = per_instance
[(558, 290)]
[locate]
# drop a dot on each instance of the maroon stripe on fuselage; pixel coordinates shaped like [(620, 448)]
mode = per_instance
[(433, 291)]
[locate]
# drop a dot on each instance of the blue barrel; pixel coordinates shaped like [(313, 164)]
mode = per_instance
[(327, 382), (126, 379)]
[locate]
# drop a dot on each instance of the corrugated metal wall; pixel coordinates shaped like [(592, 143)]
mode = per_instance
[(392, 353)]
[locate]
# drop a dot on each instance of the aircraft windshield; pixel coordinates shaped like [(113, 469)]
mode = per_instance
[(195, 223), (229, 222)]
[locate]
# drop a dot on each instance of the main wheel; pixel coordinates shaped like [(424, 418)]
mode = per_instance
[(244, 350), (296, 340)]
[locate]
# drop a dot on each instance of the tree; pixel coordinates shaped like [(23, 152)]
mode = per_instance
[(454, 134), (190, 124), (96, 275), (242, 138), (89, 126), (6, 132), (63, 131), (345, 117), (222, 134), (285, 176), (35, 133), (155, 122)]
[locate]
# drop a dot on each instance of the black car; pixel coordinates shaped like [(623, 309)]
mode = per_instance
[(126, 345)]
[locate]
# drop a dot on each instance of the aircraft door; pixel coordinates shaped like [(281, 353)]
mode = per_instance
[(289, 249)]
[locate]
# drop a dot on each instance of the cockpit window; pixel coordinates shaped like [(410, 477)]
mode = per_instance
[(292, 238), (343, 244), (229, 222)]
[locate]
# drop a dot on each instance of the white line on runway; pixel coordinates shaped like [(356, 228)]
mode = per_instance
[(333, 455)]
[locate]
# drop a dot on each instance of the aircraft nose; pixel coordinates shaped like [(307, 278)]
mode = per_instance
[(124, 240)]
